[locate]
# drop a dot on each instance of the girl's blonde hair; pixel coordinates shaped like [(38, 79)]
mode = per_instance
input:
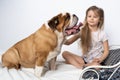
[(86, 33)]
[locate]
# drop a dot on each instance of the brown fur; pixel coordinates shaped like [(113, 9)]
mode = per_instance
[(28, 50)]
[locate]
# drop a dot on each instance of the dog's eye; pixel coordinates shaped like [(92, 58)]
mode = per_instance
[(53, 23), (56, 22)]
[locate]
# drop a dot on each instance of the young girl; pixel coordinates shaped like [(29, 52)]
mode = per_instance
[(93, 39)]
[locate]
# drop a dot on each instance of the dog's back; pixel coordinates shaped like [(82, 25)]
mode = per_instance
[(27, 50)]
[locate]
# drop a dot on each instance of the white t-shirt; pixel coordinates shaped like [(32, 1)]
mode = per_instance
[(96, 48)]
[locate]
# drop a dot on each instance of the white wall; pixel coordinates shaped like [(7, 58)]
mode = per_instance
[(20, 18)]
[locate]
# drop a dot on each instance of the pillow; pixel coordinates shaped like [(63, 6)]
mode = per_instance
[(113, 57)]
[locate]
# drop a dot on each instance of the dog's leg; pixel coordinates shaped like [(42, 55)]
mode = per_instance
[(38, 71), (39, 66), (52, 64), (10, 59)]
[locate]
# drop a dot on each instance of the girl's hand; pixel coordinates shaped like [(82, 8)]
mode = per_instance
[(97, 60)]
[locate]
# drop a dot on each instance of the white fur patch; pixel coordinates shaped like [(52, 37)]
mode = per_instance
[(63, 13), (38, 71), (52, 54), (58, 48)]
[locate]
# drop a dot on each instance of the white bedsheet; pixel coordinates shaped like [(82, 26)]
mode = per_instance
[(63, 72)]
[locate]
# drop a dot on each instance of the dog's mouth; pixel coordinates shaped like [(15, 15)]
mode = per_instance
[(73, 30), (73, 27)]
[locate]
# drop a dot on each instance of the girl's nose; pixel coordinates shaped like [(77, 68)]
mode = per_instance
[(92, 18)]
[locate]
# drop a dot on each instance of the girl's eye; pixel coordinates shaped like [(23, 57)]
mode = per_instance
[(92, 16), (89, 16), (95, 16)]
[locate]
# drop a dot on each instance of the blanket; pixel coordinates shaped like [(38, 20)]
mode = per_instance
[(63, 72)]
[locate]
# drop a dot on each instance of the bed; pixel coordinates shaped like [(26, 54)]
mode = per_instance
[(65, 71)]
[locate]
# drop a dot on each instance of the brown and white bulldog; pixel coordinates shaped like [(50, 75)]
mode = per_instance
[(41, 46)]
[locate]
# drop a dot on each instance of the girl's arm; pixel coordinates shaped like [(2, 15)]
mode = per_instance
[(106, 50), (72, 39), (105, 53)]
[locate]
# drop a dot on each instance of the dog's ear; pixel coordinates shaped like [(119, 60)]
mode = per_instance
[(53, 23)]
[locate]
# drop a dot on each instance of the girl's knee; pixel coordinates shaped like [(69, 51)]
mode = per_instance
[(65, 53)]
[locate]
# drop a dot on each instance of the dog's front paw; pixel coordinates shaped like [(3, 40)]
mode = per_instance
[(38, 71)]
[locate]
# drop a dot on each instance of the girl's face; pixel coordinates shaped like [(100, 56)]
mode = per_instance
[(92, 19)]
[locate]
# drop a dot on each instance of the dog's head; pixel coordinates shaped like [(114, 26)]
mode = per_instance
[(61, 22)]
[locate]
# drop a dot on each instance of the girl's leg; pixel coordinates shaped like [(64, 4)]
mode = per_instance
[(93, 64), (73, 59)]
